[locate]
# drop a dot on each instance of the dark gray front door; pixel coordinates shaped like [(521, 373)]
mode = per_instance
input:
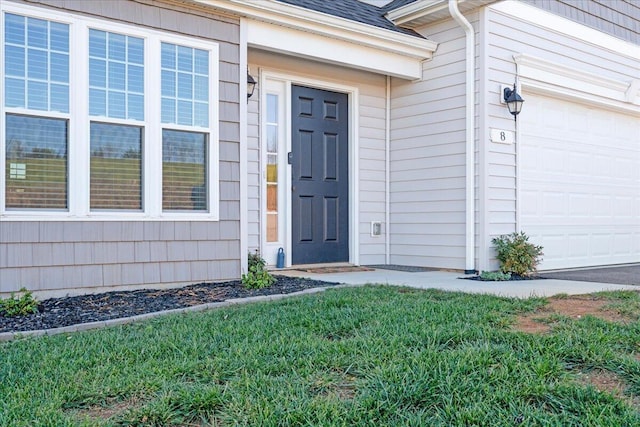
[(320, 176)]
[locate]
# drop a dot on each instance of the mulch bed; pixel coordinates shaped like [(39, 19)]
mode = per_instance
[(67, 311)]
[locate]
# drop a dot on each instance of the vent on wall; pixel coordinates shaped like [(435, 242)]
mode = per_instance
[(376, 229)]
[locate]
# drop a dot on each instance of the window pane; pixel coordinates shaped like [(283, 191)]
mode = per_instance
[(14, 29), (14, 62), (201, 61), (116, 76), (168, 56), (37, 63), (186, 82), (272, 108), (113, 73), (272, 138), (97, 73), (116, 167), (97, 102), (36, 54), (168, 110), (59, 68), (59, 98), (136, 107), (116, 43), (37, 94), (135, 79), (14, 95), (185, 59), (185, 86), (272, 227), (168, 83), (184, 170), (185, 113), (36, 163), (37, 33), (97, 43), (59, 37), (135, 50), (116, 105), (201, 114), (201, 88)]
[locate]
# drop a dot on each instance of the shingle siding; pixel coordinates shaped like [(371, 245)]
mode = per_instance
[(619, 18)]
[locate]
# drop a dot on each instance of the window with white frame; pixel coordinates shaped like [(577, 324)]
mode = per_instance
[(139, 120), (36, 81)]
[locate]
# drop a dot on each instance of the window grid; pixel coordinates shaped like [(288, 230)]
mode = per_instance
[(116, 75), (185, 85), (36, 64)]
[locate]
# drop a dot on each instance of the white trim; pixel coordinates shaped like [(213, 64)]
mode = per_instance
[(318, 47), (281, 89), (79, 121), (328, 25), (547, 77), (387, 173), (244, 122), (353, 93), (483, 142), (564, 26)]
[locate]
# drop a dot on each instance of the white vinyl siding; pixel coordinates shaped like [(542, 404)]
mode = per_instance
[(428, 157)]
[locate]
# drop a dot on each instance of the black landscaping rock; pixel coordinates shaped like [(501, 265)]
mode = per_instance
[(67, 311)]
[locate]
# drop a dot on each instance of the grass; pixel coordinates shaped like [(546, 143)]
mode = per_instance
[(372, 356)]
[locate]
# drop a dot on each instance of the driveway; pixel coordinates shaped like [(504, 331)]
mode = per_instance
[(621, 275)]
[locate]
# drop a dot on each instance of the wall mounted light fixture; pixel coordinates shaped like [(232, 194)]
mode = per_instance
[(251, 85), (513, 100)]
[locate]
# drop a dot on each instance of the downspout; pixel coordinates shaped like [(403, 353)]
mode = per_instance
[(387, 173), (470, 130)]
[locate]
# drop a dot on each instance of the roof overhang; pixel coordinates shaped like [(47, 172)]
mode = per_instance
[(423, 12), (294, 30)]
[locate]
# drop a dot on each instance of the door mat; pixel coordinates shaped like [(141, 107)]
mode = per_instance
[(405, 268), (338, 269)]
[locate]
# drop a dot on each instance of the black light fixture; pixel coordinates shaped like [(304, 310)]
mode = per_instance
[(251, 85), (514, 101)]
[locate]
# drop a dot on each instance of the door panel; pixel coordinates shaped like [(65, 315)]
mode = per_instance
[(320, 176)]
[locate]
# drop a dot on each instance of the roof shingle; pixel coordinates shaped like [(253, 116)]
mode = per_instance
[(355, 10)]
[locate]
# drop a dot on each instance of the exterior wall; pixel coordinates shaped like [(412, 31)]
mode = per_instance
[(428, 156), (79, 256), (371, 156), (618, 18), (506, 36)]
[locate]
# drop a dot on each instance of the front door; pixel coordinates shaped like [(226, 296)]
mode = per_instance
[(319, 176)]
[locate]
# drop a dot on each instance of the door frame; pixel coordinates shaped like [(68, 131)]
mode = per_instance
[(286, 80)]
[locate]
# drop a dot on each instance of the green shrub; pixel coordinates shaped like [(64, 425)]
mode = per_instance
[(19, 306), (257, 277), (495, 276), (516, 254)]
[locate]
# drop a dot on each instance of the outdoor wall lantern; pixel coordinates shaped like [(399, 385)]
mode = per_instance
[(513, 100), (251, 85)]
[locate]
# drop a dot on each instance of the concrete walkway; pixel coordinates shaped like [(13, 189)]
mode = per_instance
[(451, 281)]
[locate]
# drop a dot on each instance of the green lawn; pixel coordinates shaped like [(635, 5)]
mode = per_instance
[(375, 356)]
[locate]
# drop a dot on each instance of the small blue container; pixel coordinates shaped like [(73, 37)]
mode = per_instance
[(280, 263)]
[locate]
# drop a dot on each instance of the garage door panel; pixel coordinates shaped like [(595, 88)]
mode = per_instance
[(580, 183)]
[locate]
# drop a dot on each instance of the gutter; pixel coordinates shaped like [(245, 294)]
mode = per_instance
[(470, 142), (387, 172)]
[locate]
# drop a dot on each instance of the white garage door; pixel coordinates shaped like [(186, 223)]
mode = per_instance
[(580, 182)]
